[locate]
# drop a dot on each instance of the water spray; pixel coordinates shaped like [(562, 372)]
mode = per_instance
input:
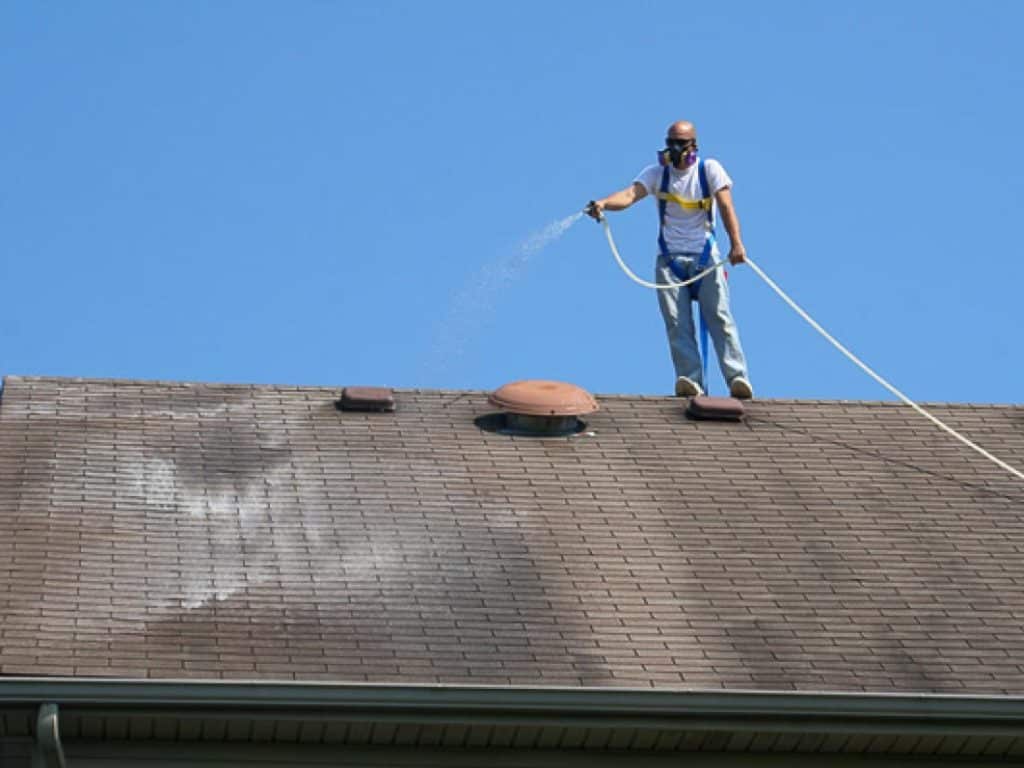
[(475, 302)]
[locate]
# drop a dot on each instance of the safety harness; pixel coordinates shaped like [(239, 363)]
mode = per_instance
[(705, 204)]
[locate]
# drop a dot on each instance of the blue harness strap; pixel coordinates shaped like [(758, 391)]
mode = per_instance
[(705, 256), (662, 205)]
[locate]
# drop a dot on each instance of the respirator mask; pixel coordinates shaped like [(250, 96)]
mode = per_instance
[(677, 150)]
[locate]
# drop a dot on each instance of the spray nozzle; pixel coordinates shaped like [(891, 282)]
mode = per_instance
[(593, 211)]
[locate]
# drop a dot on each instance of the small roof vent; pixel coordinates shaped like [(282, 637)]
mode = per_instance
[(366, 399), (544, 408), (714, 408)]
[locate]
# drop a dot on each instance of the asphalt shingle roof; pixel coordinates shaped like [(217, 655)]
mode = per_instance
[(168, 530)]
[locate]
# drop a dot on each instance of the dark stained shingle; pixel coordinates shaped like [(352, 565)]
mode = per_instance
[(169, 530)]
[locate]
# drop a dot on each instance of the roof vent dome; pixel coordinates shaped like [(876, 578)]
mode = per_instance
[(538, 407)]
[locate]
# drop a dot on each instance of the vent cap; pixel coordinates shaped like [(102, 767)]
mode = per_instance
[(714, 408), (533, 397), (367, 399), (539, 409)]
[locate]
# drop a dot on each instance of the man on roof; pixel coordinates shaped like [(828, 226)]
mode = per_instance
[(688, 190)]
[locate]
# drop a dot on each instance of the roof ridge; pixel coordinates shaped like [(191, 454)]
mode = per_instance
[(449, 392)]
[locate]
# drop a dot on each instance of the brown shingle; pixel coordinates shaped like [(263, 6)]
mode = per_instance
[(166, 530)]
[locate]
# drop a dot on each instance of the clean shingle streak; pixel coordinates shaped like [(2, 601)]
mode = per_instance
[(167, 530)]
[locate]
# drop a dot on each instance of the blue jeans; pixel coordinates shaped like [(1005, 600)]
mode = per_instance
[(713, 300)]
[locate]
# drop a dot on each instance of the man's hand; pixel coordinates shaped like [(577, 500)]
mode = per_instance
[(617, 201), (737, 254)]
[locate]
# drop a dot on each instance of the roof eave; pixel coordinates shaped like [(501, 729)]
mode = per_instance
[(619, 712)]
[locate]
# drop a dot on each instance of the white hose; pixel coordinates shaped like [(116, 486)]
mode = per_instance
[(834, 342), (641, 281)]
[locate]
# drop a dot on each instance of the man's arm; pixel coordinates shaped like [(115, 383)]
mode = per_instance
[(617, 201), (737, 253)]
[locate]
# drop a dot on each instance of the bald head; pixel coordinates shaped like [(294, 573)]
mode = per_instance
[(682, 129)]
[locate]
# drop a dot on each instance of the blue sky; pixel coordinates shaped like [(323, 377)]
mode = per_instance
[(335, 193)]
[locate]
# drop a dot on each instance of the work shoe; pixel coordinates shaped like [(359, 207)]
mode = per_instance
[(740, 388), (687, 387)]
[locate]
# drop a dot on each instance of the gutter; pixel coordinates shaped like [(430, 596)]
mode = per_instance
[(568, 705), (189, 715)]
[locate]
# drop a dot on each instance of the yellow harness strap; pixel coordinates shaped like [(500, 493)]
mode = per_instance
[(703, 204)]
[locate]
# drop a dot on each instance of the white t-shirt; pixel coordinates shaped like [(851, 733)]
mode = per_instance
[(685, 229)]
